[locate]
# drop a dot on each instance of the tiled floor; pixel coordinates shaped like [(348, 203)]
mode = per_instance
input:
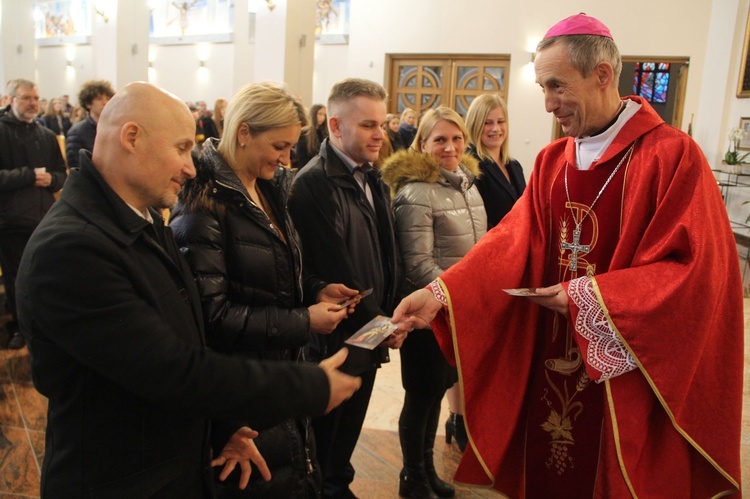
[(377, 458)]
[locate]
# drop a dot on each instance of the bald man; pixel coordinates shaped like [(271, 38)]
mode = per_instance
[(113, 322)]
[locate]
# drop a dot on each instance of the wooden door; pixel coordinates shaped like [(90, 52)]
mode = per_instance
[(426, 81)]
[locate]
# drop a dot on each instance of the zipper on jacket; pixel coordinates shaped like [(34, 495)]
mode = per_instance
[(275, 231)]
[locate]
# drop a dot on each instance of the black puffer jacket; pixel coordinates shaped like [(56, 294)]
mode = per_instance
[(250, 282), (26, 146)]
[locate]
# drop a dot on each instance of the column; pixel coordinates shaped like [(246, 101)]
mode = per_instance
[(285, 43)]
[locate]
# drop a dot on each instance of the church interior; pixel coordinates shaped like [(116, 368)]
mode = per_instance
[(425, 53)]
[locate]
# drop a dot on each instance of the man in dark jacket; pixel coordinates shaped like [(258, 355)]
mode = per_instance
[(115, 329), (32, 169), (93, 96), (342, 212)]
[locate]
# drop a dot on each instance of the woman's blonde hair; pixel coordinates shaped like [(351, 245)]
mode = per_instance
[(262, 106), (219, 115), (430, 119), (479, 109), (407, 111)]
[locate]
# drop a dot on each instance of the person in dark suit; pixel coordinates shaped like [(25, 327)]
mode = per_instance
[(114, 324), (342, 211), (32, 170), (93, 96), (502, 181)]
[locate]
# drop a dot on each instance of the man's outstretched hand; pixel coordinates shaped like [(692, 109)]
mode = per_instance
[(241, 450), (342, 385), (416, 311)]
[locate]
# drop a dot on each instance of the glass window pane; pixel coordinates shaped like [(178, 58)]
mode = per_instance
[(494, 78), (467, 77), (432, 76), (407, 76)]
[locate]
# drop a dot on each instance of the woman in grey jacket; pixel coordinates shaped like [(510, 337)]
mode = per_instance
[(439, 216)]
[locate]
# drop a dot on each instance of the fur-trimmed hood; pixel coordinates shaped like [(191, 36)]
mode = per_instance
[(409, 166)]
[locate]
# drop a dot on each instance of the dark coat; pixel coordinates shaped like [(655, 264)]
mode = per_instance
[(396, 141), (26, 146), (53, 124), (115, 330), (498, 193), (345, 240), (250, 282), (80, 136), (304, 155), (407, 133)]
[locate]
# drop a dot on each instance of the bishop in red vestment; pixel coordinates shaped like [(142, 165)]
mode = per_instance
[(632, 387)]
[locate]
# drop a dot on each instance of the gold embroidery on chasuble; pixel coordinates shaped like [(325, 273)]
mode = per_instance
[(566, 407)]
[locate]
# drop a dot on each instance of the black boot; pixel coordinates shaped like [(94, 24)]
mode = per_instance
[(454, 427), (440, 487), (413, 483)]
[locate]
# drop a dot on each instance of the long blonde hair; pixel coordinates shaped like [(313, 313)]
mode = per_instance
[(219, 115), (479, 109)]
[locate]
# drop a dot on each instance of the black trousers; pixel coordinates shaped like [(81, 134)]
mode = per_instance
[(336, 436), (11, 250)]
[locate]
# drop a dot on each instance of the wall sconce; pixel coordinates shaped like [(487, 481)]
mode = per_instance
[(70, 63), (270, 5), (533, 56), (201, 64)]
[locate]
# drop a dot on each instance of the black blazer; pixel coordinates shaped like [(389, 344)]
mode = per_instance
[(345, 240), (498, 194), (115, 330)]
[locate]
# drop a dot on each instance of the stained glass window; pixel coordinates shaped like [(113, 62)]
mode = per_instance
[(651, 81)]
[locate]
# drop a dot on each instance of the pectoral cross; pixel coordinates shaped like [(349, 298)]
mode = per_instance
[(574, 248)]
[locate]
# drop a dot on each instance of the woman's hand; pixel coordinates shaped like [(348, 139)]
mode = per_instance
[(338, 293), (325, 316)]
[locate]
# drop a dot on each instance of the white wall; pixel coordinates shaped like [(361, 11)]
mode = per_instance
[(722, 108), (710, 33), (176, 68), (640, 27)]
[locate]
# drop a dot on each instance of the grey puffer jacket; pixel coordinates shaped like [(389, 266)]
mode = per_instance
[(437, 219)]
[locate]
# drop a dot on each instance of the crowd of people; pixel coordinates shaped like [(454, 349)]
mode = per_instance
[(216, 338)]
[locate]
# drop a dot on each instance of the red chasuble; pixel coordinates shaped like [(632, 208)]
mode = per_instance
[(665, 278)]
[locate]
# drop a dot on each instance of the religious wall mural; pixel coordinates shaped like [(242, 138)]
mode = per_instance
[(332, 21), (61, 18), (179, 18)]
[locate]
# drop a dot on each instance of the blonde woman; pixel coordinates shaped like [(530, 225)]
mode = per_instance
[(502, 181), (232, 225), (55, 118), (220, 108), (439, 216), (408, 127)]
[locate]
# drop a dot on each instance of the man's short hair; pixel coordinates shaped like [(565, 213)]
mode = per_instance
[(586, 51), (351, 88), (93, 89), (13, 85)]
